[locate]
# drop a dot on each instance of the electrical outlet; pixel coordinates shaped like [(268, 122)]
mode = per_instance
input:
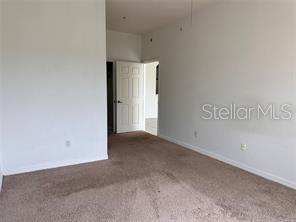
[(243, 147), (68, 143)]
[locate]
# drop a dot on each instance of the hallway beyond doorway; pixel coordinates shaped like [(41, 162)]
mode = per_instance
[(151, 126), (151, 97)]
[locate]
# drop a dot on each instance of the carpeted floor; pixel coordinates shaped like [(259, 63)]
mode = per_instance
[(145, 179)]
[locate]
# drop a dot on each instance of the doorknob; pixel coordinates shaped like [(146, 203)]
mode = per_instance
[(118, 101)]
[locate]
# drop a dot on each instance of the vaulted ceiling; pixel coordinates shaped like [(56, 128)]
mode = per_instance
[(142, 16)]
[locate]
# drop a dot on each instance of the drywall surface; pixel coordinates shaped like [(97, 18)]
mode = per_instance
[(123, 46), (54, 84), (151, 98), (1, 164), (1, 102), (1, 180), (1, 174), (232, 52)]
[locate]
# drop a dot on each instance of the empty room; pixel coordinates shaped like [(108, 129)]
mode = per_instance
[(147, 110)]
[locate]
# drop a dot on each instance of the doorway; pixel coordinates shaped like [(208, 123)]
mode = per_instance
[(132, 91), (110, 98), (151, 97)]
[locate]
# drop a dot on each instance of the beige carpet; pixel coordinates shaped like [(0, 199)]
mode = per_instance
[(145, 179)]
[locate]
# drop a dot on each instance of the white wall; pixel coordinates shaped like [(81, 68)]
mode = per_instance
[(54, 83), (242, 52), (1, 173), (151, 98), (123, 46), (1, 165)]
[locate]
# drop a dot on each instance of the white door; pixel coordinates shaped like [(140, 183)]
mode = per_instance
[(130, 96)]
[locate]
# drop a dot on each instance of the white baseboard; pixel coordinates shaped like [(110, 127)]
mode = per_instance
[(245, 167), (32, 168)]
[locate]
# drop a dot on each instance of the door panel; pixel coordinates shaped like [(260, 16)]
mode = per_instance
[(130, 96)]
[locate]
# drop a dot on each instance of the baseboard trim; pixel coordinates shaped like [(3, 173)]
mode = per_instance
[(224, 159), (33, 168)]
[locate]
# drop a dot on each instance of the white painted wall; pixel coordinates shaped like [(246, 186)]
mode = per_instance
[(151, 98), (54, 83), (123, 46), (1, 172), (242, 52), (1, 92)]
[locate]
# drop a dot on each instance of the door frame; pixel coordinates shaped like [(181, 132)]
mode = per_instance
[(157, 59)]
